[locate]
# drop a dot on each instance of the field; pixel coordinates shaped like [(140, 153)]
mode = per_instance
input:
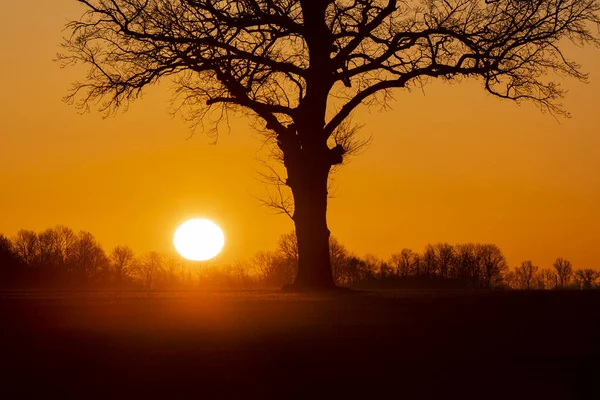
[(410, 344)]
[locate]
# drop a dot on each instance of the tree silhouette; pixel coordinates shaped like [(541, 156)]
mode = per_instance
[(429, 262), (49, 248), (445, 257), (273, 268), (587, 278), (122, 258), (564, 270), (342, 273), (59, 258), (548, 279), (26, 246), (9, 263), (302, 66), (525, 274), (67, 247), (405, 262), (493, 265), (466, 265), (91, 261), (150, 267)]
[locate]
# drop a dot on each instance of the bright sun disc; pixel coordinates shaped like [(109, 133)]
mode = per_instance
[(199, 239)]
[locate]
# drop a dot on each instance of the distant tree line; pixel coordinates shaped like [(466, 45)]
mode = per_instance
[(560, 276), (59, 257)]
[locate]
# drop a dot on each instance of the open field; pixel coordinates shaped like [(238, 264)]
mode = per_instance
[(411, 344)]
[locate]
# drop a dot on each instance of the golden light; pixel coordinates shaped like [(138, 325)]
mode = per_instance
[(199, 239)]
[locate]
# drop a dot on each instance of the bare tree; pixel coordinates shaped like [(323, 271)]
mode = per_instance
[(273, 268), (564, 269), (301, 67), (26, 246), (67, 243), (405, 262), (548, 279), (375, 266), (587, 278), (173, 267), (10, 273), (525, 275), (395, 263), (7, 250), (510, 279), (287, 246), (445, 257), (466, 263), (429, 261), (243, 273), (263, 263), (122, 258), (493, 265), (342, 271), (50, 243), (91, 261), (150, 268)]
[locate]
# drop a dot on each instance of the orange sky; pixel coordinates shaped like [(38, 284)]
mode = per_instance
[(453, 165)]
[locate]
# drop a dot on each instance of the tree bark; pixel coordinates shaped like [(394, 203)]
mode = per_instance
[(308, 159), (312, 233)]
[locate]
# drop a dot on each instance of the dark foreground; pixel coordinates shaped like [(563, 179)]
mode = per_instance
[(273, 345)]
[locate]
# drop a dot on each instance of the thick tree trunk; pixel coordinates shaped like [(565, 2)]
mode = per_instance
[(307, 157), (310, 219)]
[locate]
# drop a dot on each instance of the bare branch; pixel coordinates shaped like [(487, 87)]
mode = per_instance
[(281, 61)]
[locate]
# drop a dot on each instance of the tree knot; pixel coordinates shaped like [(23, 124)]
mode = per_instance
[(336, 155)]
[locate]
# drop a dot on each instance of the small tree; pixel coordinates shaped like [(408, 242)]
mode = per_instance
[(343, 271), (122, 259), (564, 270), (91, 261), (26, 246), (466, 263), (10, 273), (274, 268), (445, 257), (67, 244), (429, 261), (49, 252), (549, 279), (525, 275), (405, 262), (587, 278), (150, 268), (493, 265), (301, 67)]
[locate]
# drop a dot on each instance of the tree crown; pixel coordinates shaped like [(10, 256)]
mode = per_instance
[(281, 60)]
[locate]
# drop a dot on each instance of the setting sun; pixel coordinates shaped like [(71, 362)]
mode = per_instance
[(199, 239)]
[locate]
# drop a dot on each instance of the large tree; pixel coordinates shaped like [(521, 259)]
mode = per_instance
[(302, 66)]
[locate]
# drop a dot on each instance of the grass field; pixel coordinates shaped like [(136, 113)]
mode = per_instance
[(401, 344)]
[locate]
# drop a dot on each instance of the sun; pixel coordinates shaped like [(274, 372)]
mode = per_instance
[(199, 239)]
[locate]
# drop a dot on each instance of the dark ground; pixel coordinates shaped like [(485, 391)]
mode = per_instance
[(402, 344)]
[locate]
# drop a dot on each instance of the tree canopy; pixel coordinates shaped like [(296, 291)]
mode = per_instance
[(259, 55)]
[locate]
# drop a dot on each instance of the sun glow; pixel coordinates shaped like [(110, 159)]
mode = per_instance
[(199, 239)]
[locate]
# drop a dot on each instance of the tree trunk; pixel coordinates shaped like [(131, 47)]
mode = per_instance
[(312, 233)]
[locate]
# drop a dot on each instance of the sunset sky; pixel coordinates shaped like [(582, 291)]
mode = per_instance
[(453, 164)]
